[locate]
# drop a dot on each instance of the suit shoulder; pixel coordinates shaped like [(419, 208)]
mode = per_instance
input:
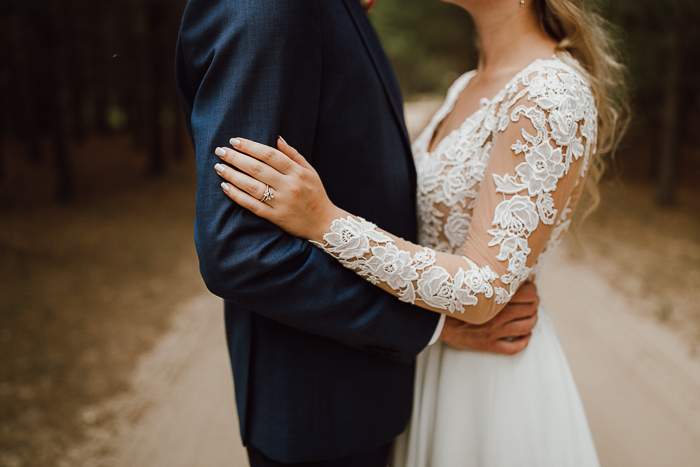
[(217, 24), (278, 13)]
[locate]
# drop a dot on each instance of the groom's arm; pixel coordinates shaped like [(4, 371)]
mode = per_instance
[(252, 68), (506, 333)]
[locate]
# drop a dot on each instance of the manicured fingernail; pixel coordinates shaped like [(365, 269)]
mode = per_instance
[(282, 139), (220, 168), (221, 152), (235, 142), (225, 187)]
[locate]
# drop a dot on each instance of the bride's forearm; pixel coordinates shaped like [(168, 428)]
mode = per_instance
[(443, 283)]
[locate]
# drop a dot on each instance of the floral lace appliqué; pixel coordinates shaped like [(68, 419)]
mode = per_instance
[(372, 254)]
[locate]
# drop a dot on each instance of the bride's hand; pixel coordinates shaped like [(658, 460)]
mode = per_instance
[(278, 185)]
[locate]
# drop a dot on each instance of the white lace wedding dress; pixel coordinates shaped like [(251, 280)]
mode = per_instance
[(494, 197)]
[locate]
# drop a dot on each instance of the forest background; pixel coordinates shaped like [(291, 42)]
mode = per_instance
[(74, 69), (97, 183)]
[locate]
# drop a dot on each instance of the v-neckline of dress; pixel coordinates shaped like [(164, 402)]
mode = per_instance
[(484, 102)]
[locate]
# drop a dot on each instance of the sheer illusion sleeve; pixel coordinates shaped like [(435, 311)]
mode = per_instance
[(543, 134)]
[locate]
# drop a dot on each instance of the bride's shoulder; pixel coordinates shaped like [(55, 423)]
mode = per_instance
[(561, 73), (559, 81)]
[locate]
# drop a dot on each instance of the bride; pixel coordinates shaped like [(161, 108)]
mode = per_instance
[(501, 169)]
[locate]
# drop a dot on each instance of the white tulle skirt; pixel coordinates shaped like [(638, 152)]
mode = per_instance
[(475, 409)]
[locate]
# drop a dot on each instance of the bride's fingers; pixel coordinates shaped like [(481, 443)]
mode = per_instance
[(293, 154), (243, 182), (246, 201), (265, 154), (251, 166)]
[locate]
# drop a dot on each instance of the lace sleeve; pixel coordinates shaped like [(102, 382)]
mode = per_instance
[(544, 132)]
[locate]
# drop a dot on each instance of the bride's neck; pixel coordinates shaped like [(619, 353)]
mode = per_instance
[(510, 36)]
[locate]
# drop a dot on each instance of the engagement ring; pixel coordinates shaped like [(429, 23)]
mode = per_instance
[(268, 195)]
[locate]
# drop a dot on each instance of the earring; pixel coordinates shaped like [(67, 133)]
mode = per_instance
[(522, 3)]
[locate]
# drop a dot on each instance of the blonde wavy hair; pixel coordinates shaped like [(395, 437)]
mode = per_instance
[(582, 32)]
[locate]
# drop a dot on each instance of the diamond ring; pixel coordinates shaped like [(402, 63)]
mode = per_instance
[(268, 195)]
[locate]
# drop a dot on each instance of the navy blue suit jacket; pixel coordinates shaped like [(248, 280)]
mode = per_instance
[(322, 360)]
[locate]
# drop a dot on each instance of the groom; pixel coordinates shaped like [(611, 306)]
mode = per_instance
[(322, 360)]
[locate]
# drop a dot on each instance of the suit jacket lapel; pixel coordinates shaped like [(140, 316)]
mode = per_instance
[(381, 64)]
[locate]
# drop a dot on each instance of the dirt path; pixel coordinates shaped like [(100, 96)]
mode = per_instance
[(180, 410), (640, 387)]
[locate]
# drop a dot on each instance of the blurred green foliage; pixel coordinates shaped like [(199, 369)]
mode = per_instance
[(427, 39), (428, 42)]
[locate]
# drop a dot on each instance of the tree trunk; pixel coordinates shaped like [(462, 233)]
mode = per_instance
[(156, 19), (77, 95), (669, 147), (2, 157), (75, 36), (31, 132), (98, 77), (64, 168), (56, 107)]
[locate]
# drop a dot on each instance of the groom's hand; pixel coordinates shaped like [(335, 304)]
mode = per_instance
[(507, 333)]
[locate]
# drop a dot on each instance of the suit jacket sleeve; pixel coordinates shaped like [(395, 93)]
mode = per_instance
[(253, 69)]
